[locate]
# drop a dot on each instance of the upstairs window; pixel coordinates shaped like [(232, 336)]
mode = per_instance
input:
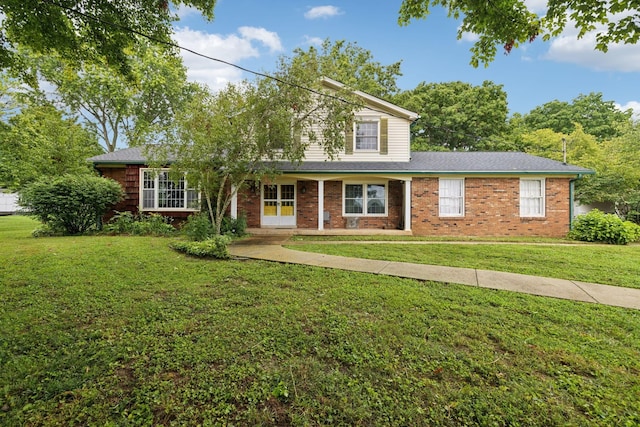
[(367, 135), (451, 197), (160, 192), (532, 197)]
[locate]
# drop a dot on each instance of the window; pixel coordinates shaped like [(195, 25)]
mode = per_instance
[(451, 200), (531, 197), (367, 135), (160, 192), (365, 199)]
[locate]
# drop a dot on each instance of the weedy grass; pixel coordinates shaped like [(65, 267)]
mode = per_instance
[(113, 330), (606, 264)]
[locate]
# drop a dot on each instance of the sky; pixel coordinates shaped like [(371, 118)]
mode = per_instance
[(253, 34)]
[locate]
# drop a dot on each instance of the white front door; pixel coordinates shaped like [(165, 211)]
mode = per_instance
[(278, 205)]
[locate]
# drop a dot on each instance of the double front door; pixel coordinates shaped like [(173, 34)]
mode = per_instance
[(278, 205)]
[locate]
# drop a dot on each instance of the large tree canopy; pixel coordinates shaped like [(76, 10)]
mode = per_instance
[(120, 110), (597, 117), (352, 65), (223, 140), (455, 115), (510, 23), (85, 29)]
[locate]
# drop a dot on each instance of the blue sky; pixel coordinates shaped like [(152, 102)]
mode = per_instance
[(254, 33)]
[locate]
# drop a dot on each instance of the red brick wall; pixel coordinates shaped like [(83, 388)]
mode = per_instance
[(492, 208)]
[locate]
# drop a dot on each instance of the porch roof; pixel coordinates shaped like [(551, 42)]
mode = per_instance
[(421, 162)]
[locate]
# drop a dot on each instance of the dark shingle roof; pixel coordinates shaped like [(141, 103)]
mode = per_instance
[(457, 162)]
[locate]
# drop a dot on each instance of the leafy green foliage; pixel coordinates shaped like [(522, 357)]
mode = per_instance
[(80, 31), (599, 118), (72, 204), (510, 24), (234, 226), (129, 110), (213, 247), (596, 226), (156, 338), (198, 227), (39, 141), (455, 115), (140, 225), (224, 139), (353, 66)]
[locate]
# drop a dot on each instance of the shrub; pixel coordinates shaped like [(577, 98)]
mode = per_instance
[(215, 247), (596, 226), (198, 227), (142, 225), (234, 226), (70, 203)]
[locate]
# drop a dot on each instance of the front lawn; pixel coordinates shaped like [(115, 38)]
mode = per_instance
[(105, 330), (606, 264)]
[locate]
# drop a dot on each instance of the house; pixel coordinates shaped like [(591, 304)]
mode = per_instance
[(8, 202), (377, 183)]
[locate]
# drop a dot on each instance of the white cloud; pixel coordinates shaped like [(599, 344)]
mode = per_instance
[(186, 11), (231, 48), (619, 57), (322, 12), (313, 41), (268, 38), (634, 105)]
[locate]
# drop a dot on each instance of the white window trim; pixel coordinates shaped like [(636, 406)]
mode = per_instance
[(155, 207), (543, 196), (364, 198), (462, 202), (366, 119)]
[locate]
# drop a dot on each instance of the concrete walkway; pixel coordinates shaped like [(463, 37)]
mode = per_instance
[(270, 248)]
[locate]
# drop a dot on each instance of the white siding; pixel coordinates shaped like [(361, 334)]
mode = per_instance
[(399, 149), (8, 202)]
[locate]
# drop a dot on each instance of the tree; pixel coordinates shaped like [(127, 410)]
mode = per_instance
[(510, 23), (39, 141), (224, 140), (597, 117), (354, 66), (455, 115), (119, 109), (81, 30)]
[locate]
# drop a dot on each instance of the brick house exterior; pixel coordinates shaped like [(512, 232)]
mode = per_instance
[(377, 183)]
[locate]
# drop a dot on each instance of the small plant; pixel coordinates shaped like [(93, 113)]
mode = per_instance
[(70, 203), (234, 226), (198, 227), (142, 225), (596, 226), (215, 247)]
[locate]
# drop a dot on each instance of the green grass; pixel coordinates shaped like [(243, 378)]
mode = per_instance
[(106, 330), (605, 264)]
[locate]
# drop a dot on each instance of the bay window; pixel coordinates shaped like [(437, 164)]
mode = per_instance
[(160, 192)]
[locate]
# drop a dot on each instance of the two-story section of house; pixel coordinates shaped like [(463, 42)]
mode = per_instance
[(377, 183)]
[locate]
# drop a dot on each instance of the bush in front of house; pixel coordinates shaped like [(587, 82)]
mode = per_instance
[(140, 225), (198, 227), (234, 226), (70, 204), (597, 226), (214, 247)]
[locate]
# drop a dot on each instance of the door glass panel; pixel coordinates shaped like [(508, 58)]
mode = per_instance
[(270, 200), (287, 194)]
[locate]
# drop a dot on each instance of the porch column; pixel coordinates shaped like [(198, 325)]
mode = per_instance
[(234, 203), (407, 205), (320, 205)]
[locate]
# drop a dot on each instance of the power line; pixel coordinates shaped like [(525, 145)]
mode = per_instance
[(202, 55)]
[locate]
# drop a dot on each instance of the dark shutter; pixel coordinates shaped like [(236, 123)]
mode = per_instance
[(348, 137), (384, 136)]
